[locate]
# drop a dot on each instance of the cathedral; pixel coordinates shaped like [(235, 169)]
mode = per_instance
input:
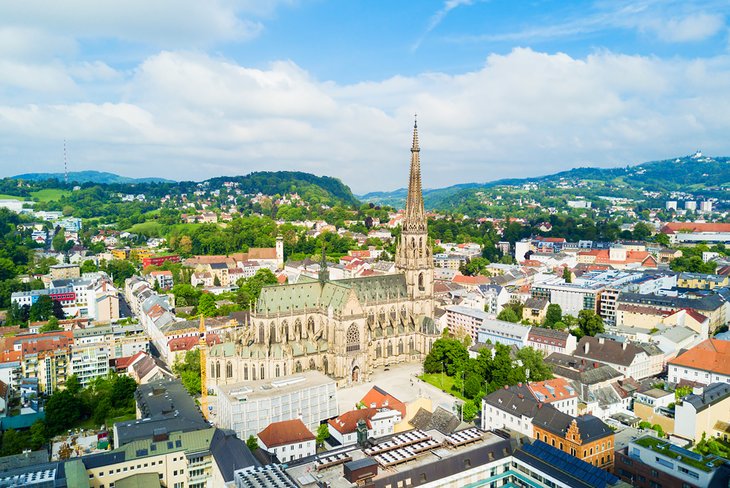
[(343, 328)]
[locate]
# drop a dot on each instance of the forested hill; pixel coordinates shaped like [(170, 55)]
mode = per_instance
[(310, 187), (698, 174), (101, 177)]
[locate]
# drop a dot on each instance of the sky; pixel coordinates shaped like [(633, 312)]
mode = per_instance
[(190, 90)]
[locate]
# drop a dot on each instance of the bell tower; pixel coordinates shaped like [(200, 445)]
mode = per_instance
[(414, 256)]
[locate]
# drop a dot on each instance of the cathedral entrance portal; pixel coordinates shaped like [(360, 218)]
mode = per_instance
[(355, 374)]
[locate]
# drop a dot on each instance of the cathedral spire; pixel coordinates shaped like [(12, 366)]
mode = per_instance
[(415, 215)]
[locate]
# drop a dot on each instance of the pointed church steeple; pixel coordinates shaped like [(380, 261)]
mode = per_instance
[(324, 274), (414, 256), (415, 215)]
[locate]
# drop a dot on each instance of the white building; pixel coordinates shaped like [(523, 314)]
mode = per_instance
[(247, 408), (507, 333), (706, 206), (378, 421), (690, 205), (708, 362), (671, 205), (512, 408), (551, 340), (89, 363), (288, 440)]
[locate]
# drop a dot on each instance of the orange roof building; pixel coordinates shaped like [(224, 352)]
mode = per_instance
[(288, 440), (707, 362), (379, 398)]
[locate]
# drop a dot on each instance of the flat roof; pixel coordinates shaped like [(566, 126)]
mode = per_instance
[(306, 474), (266, 388)]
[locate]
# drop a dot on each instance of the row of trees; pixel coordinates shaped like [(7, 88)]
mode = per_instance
[(588, 322)]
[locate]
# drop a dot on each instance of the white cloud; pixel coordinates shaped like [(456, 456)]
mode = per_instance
[(189, 115), (695, 27)]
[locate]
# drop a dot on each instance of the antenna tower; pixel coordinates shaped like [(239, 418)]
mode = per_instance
[(65, 163)]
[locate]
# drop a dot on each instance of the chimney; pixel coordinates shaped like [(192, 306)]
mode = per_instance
[(595, 365), (623, 345), (586, 347), (601, 340), (698, 390)]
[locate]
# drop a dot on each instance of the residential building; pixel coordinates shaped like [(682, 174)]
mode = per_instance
[(379, 422), (288, 440), (64, 271), (247, 408), (551, 340), (534, 310), (499, 331), (465, 321), (162, 406), (586, 437), (618, 257), (628, 359), (704, 412), (648, 462), (163, 279), (708, 362), (702, 281), (89, 362), (556, 392), (510, 408), (495, 296)]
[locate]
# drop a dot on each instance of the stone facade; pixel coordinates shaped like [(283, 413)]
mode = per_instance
[(344, 328)]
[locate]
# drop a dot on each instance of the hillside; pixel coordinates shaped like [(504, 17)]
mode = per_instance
[(99, 177), (311, 188), (697, 174)]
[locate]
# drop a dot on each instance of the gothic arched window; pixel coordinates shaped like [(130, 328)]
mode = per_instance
[(325, 364), (272, 333), (245, 372), (297, 329), (262, 371), (411, 347), (421, 286), (390, 348), (261, 333), (285, 331), (298, 367), (353, 339), (378, 350), (217, 369), (312, 366), (229, 370), (400, 346), (278, 371), (310, 326)]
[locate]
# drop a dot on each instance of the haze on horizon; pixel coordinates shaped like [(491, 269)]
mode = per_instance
[(186, 90)]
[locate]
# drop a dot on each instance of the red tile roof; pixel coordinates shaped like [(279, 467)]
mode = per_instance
[(554, 390), (603, 256), (469, 280), (347, 422), (379, 398), (123, 363), (674, 227), (709, 355), (285, 432)]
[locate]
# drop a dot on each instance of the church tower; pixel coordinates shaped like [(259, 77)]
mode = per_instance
[(414, 257)]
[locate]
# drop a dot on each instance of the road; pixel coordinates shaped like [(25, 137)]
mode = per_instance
[(401, 382)]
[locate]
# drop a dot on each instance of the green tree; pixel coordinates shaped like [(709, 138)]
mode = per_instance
[(252, 443), (589, 323), (469, 410), (73, 385), (88, 266), (533, 362), (42, 309), (508, 315), (662, 239), (682, 391), (472, 385), (553, 315), (447, 355), (59, 241), (51, 325), (63, 410), (38, 435), (641, 231), (189, 371), (567, 276), (207, 306), (323, 434)]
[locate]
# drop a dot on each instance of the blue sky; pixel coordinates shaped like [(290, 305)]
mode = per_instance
[(191, 90)]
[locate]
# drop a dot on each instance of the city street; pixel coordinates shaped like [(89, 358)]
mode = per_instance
[(401, 382)]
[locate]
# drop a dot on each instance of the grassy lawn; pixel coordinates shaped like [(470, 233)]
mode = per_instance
[(49, 194), (442, 382), (90, 424), (10, 197)]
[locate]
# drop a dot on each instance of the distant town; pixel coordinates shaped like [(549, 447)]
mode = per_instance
[(274, 330)]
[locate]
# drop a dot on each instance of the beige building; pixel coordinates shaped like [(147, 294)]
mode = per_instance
[(64, 271), (344, 328), (705, 411)]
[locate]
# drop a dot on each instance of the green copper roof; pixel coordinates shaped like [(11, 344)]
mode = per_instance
[(142, 480), (76, 473), (195, 441), (298, 297)]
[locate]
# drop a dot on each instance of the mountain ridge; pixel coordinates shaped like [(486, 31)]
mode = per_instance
[(89, 176)]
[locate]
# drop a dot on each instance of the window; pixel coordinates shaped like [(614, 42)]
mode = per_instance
[(467, 463), (353, 338), (654, 473)]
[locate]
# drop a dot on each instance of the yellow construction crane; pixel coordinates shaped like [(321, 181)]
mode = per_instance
[(202, 346)]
